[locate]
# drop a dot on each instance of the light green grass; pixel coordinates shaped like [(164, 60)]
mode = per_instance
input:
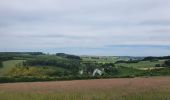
[(101, 59), (141, 64), (7, 65)]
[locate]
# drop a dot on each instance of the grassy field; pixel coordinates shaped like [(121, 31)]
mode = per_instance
[(107, 59), (7, 65), (101, 59), (89, 95), (141, 64), (153, 88)]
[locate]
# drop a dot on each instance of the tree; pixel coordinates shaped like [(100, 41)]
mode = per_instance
[(1, 65), (158, 65), (68, 56), (111, 70), (167, 63)]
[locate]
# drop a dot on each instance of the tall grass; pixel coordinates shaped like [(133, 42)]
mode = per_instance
[(98, 94)]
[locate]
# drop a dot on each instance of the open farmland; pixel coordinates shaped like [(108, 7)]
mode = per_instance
[(8, 65), (152, 88), (107, 59), (141, 64)]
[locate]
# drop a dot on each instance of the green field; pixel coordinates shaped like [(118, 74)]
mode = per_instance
[(102, 59), (8, 65), (141, 64)]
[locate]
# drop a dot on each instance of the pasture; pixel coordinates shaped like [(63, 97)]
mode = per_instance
[(151, 88), (8, 65), (141, 64)]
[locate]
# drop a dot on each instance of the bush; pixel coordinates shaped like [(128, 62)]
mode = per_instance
[(28, 71), (158, 65), (167, 63), (68, 64), (10, 79), (1, 65), (157, 72), (111, 71)]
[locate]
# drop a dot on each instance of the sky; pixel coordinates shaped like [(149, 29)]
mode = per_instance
[(86, 27)]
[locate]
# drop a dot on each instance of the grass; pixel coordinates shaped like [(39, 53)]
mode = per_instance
[(7, 65), (125, 71), (104, 94), (101, 59), (141, 64), (153, 88)]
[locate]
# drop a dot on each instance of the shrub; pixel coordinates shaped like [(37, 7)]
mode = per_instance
[(25, 79), (167, 63), (1, 65), (111, 70), (158, 65)]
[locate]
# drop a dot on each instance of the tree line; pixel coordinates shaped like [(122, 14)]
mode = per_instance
[(156, 58)]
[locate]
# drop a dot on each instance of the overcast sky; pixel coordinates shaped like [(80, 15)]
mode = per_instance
[(93, 27)]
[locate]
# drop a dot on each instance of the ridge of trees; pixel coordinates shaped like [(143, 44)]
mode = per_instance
[(156, 58), (68, 56)]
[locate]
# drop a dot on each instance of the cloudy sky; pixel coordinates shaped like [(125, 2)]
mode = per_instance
[(86, 27)]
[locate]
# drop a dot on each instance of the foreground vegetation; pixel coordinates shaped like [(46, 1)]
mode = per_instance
[(117, 89), (89, 95)]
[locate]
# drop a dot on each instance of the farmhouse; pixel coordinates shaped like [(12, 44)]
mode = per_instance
[(98, 72)]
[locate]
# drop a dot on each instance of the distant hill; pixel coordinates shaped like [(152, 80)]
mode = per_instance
[(68, 56)]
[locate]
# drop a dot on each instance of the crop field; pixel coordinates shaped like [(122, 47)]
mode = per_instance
[(151, 88)]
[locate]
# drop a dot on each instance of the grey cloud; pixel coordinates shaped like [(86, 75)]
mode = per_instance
[(88, 23), (156, 22), (54, 36)]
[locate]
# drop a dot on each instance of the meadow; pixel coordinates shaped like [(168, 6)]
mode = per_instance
[(8, 65), (141, 64), (152, 88)]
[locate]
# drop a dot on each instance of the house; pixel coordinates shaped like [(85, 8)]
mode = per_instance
[(98, 72), (81, 72)]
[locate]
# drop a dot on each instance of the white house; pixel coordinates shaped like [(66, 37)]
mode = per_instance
[(97, 71), (81, 72)]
